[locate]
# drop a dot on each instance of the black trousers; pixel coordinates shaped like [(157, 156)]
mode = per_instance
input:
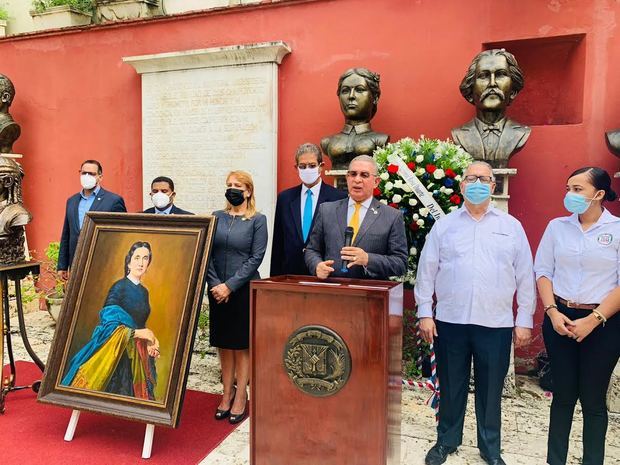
[(580, 370), (455, 347)]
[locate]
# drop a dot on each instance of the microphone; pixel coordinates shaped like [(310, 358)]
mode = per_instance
[(348, 238)]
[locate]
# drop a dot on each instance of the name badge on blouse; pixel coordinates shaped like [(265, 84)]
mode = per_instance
[(605, 239)]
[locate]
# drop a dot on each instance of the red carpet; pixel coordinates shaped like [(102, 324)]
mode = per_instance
[(32, 433)]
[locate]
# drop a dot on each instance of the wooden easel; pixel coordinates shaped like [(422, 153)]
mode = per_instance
[(148, 434)]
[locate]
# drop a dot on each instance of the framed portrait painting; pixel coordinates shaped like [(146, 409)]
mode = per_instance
[(125, 333)]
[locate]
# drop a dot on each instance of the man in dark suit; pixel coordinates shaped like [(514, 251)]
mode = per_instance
[(492, 82), (379, 246), (295, 212), (92, 197), (162, 196)]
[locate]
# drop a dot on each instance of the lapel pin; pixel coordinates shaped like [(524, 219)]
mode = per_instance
[(374, 211)]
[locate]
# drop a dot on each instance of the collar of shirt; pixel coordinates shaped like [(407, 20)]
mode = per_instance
[(481, 125), (95, 192), (357, 129), (365, 204), (133, 280), (163, 212), (490, 209), (316, 189), (605, 218)]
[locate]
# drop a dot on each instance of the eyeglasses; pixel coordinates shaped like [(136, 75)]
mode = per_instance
[(361, 174), (303, 166), (474, 178), (88, 172)]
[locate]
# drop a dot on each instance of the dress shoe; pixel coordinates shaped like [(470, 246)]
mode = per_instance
[(222, 414), (438, 454), (497, 461), (238, 418)]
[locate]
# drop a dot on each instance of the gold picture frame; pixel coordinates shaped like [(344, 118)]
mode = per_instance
[(126, 328)]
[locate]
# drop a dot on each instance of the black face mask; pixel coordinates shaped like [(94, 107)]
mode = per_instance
[(234, 196)]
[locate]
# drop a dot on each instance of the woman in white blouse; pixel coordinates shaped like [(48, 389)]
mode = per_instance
[(577, 272)]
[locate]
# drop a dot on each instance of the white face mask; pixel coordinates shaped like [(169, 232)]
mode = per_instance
[(87, 181), (160, 200), (308, 175)]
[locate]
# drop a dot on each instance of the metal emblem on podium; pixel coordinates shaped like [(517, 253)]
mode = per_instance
[(317, 360)]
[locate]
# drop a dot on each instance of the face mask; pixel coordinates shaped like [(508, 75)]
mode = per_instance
[(160, 200), (477, 192), (88, 182), (234, 196), (576, 203), (308, 175)]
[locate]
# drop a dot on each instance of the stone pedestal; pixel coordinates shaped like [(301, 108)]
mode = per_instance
[(208, 112), (501, 196), (340, 178), (120, 10)]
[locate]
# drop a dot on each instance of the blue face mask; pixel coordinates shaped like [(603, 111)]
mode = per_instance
[(576, 203), (477, 192)]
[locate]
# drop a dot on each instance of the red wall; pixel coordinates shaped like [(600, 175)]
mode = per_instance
[(76, 99)]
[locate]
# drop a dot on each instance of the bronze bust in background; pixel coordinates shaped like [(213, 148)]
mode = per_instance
[(491, 83), (13, 215), (359, 92), (9, 129), (613, 141)]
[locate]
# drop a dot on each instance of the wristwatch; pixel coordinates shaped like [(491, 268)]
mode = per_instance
[(546, 308)]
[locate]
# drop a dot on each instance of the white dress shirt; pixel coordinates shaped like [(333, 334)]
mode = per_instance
[(474, 269), (316, 190), (363, 209), (582, 265)]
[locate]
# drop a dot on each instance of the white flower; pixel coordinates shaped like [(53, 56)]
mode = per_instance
[(413, 251), (397, 198), (398, 184), (420, 171), (385, 176), (448, 191), (388, 186), (413, 202), (439, 173), (415, 216), (383, 201), (412, 281), (442, 189), (420, 222), (407, 188), (419, 159), (458, 178), (453, 207), (424, 211)]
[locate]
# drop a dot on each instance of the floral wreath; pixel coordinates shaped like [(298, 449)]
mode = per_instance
[(439, 166)]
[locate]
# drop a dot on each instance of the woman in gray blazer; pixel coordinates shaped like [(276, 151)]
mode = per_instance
[(239, 246)]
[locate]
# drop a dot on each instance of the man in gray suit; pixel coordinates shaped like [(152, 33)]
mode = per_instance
[(491, 83), (379, 246)]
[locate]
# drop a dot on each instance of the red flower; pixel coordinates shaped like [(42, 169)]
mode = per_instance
[(455, 199), (414, 226), (411, 165), (430, 169), (392, 169), (376, 192), (393, 205), (450, 173)]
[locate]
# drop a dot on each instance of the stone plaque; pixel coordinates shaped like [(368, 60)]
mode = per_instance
[(208, 112), (317, 360)]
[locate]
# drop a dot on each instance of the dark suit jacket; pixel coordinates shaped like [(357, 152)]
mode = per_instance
[(513, 138), (287, 251), (105, 201), (174, 211), (381, 236)]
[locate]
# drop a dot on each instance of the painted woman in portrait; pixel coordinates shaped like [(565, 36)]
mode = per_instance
[(120, 356)]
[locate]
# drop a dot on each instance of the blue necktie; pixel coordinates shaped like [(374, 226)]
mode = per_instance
[(307, 219)]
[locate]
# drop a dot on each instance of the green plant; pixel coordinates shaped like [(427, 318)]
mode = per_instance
[(86, 6), (49, 282), (4, 14), (203, 329)]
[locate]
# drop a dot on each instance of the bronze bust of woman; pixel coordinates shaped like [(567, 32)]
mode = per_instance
[(359, 92)]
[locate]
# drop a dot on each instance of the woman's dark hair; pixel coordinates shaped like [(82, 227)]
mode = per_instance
[(132, 249), (600, 179)]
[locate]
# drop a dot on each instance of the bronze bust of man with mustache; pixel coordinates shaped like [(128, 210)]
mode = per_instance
[(358, 92), (492, 82), (9, 129)]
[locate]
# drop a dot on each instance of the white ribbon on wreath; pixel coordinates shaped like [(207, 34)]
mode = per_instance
[(416, 185)]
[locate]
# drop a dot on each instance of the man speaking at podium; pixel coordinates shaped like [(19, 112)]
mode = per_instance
[(375, 246)]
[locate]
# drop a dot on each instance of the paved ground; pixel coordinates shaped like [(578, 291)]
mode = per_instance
[(525, 417)]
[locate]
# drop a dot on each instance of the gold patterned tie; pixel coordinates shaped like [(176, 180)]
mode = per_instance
[(355, 220)]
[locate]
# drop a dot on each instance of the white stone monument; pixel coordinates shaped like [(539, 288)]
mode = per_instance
[(207, 112)]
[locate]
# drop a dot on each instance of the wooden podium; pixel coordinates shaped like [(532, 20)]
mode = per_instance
[(307, 337)]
